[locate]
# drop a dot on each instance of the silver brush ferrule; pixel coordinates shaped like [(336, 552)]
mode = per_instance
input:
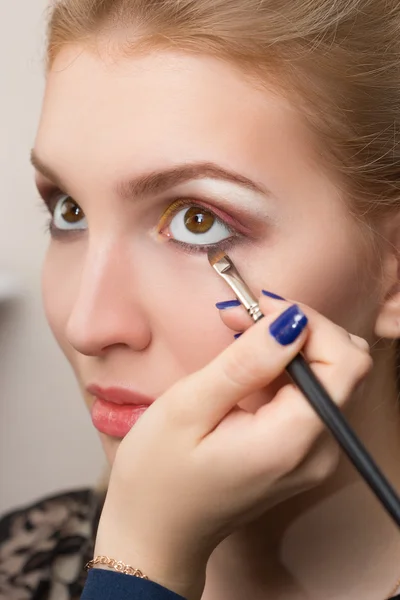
[(227, 270)]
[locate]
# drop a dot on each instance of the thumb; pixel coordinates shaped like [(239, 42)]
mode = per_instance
[(203, 399)]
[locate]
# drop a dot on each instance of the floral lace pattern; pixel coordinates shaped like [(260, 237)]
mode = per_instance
[(44, 548)]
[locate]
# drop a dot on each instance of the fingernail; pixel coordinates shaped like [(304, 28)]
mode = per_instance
[(288, 326), (271, 295), (237, 335), (228, 304)]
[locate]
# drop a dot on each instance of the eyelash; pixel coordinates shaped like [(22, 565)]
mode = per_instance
[(205, 248), (51, 198), (44, 207)]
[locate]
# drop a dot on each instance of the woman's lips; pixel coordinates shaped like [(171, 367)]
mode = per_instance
[(116, 410), (115, 420)]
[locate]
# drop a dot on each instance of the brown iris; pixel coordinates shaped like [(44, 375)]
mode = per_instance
[(199, 220), (71, 212)]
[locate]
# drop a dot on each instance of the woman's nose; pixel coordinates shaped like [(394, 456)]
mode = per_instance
[(107, 310)]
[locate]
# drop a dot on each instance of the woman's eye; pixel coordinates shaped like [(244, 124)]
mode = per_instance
[(194, 226), (68, 215)]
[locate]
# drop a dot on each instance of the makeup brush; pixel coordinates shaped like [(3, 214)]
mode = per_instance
[(305, 379)]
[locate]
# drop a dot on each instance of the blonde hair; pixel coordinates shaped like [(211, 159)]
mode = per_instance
[(338, 61)]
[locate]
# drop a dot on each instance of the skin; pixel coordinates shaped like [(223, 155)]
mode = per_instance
[(129, 310)]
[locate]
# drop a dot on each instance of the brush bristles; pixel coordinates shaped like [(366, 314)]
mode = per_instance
[(215, 256)]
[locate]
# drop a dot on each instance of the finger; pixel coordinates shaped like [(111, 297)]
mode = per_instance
[(203, 399), (327, 342), (295, 420), (288, 427), (360, 342), (339, 380), (234, 316), (317, 466)]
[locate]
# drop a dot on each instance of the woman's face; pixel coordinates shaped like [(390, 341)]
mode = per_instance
[(126, 149)]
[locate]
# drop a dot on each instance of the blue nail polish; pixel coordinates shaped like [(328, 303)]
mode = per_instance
[(228, 304), (237, 335), (288, 326), (271, 295)]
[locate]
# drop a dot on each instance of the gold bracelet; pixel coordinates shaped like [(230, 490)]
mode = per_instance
[(114, 564)]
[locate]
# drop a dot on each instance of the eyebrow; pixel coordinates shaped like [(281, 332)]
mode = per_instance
[(46, 171), (158, 182)]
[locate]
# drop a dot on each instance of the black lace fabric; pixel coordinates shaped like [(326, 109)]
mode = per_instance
[(44, 547)]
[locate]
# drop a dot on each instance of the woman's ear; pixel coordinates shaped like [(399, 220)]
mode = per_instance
[(388, 320)]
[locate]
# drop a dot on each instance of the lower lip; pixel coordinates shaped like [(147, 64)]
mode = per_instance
[(115, 420)]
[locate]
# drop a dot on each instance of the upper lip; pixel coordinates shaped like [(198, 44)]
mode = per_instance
[(119, 395)]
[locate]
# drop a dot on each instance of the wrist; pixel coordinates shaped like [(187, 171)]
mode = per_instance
[(170, 558), (175, 573)]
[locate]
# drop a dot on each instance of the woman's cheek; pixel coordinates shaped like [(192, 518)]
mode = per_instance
[(58, 296)]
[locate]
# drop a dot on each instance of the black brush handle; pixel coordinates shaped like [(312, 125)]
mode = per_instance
[(305, 379)]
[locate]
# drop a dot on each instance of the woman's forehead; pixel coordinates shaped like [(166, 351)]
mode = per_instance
[(157, 108)]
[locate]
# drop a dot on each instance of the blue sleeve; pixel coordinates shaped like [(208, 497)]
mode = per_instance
[(109, 585)]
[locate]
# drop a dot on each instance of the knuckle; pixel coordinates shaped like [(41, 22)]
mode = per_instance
[(361, 343), (348, 374), (290, 461), (343, 332), (342, 376), (323, 469), (323, 465), (353, 366), (303, 416), (361, 364), (297, 454)]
